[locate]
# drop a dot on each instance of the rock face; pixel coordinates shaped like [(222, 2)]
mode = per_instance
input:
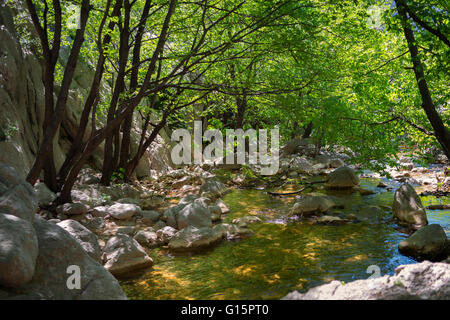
[(424, 280), (123, 254), (312, 203), (18, 251), (342, 178), (192, 239), (87, 239), (427, 243), (408, 208), (57, 251)]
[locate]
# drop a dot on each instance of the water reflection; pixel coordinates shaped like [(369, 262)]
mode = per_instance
[(281, 256)]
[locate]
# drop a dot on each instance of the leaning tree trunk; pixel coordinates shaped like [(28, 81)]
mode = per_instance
[(441, 133)]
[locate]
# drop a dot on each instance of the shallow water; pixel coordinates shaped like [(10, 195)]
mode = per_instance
[(283, 255)]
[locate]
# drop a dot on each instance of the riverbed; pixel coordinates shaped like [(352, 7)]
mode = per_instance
[(284, 254)]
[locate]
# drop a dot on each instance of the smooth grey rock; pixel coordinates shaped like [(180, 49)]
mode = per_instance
[(123, 254), (408, 208), (147, 238), (18, 251), (87, 239), (192, 239), (312, 203), (426, 280), (342, 178), (58, 250), (427, 243), (123, 211)]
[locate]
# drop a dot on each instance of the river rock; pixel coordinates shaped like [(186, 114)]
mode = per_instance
[(44, 195), (87, 239), (71, 209), (147, 238), (192, 239), (17, 197), (336, 163), (408, 208), (223, 207), (123, 211), (245, 221), (18, 251), (426, 281), (166, 234), (123, 254), (213, 189), (427, 243), (216, 212), (100, 211), (300, 165), (330, 220), (233, 231), (342, 178), (312, 203), (371, 214), (58, 250), (149, 217)]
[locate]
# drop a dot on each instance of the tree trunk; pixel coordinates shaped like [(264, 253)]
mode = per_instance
[(441, 133)]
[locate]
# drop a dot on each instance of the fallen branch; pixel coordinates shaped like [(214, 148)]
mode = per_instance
[(438, 207)]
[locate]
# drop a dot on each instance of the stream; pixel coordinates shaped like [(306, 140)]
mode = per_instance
[(283, 254)]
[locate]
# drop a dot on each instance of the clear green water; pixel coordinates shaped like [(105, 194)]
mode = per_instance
[(282, 255)]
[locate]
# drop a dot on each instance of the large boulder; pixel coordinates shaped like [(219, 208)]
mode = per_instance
[(342, 178), (426, 280), (408, 208), (191, 210), (427, 243), (193, 239), (58, 251), (194, 214), (123, 211), (18, 251), (17, 197), (312, 203), (87, 239), (123, 254)]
